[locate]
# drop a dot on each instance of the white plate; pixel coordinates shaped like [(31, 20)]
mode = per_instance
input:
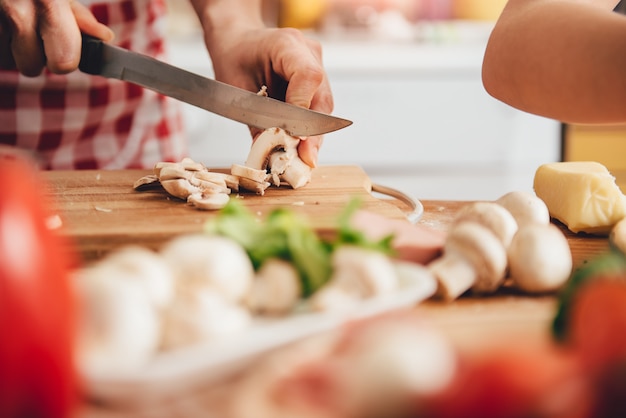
[(184, 369)]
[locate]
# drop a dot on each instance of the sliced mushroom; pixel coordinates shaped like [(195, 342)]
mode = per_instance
[(191, 165), (278, 141), (269, 141), (473, 257), (525, 207), (173, 172), (297, 174), (250, 173), (492, 216), (209, 201), (163, 164), (151, 181), (180, 188), (540, 259), (254, 186)]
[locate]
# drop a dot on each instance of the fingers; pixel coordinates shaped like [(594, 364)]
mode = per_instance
[(39, 33), (89, 24), (300, 63), (308, 150), (60, 35), (19, 23)]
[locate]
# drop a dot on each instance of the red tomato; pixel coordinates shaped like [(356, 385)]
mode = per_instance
[(514, 380), (598, 320), (36, 302)]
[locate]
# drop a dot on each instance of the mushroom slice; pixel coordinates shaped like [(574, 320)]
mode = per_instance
[(279, 161), (180, 188), (173, 172), (254, 186), (216, 178), (298, 174), (191, 165), (208, 186), (254, 174), (162, 164), (151, 181), (269, 141), (210, 201), (276, 151)]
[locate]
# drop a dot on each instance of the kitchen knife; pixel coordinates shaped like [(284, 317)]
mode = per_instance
[(100, 58)]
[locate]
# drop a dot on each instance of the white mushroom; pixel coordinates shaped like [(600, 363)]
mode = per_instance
[(201, 261), (119, 328), (269, 141), (540, 259), (191, 165), (276, 288), (209, 201), (473, 257), (192, 181), (278, 141), (201, 316), (525, 207), (358, 273), (145, 267), (297, 174), (617, 237), (492, 216), (252, 179), (180, 188), (212, 276)]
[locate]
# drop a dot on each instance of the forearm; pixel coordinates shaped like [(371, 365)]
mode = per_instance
[(560, 59), (219, 18)]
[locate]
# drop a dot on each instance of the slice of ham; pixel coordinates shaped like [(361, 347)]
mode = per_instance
[(412, 242)]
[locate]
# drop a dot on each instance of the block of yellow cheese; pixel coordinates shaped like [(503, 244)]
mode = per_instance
[(581, 194)]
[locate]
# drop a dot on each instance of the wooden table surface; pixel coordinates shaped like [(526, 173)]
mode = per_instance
[(100, 210)]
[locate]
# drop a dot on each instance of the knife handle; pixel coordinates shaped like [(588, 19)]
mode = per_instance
[(90, 55)]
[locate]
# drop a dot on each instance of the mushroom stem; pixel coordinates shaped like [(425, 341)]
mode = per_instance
[(455, 275), (473, 257)]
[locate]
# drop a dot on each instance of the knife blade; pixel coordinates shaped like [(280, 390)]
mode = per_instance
[(100, 58)]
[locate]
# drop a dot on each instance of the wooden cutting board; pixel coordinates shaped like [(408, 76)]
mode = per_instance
[(100, 210)]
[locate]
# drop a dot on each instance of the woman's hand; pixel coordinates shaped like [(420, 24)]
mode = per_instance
[(35, 34), (249, 55)]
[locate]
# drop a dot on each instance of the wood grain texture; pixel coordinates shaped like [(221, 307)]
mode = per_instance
[(100, 210)]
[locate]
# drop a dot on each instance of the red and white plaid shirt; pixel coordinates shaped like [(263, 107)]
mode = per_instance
[(77, 121)]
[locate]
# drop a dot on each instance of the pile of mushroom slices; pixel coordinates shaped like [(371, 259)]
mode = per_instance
[(273, 160), (512, 238)]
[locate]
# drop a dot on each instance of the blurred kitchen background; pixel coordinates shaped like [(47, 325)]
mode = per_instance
[(407, 73)]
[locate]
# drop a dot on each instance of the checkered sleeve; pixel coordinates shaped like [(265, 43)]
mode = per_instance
[(78, 121)]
